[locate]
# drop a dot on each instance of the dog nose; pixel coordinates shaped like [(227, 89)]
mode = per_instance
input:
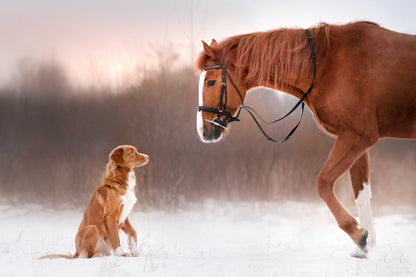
[(145, 156)]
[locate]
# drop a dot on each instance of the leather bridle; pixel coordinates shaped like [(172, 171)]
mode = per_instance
[(221, 111)]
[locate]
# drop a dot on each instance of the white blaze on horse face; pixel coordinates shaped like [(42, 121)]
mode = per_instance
[(199, 119), (364, 211)]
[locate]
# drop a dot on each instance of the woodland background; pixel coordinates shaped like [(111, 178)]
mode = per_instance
[(55, 139)]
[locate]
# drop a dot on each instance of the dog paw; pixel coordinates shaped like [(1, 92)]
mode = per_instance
[(119, 252), (133, 247), (135, 253)]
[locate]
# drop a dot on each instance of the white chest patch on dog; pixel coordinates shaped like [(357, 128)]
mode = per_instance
[(129, 199), (132, 180)]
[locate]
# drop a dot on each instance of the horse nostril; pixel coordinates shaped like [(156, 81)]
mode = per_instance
[(213, 132), (217, 131)]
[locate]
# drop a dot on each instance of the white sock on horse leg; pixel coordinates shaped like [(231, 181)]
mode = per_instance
[(364, 212)]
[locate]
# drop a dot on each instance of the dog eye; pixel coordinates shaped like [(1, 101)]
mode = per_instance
[(210, 83)]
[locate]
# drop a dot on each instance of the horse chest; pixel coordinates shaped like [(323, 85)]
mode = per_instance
[(129, 199), (326, 129), (322, 123)]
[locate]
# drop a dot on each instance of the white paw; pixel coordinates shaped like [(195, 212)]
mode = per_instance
[(134, 252), (133, 248), (119, 252)]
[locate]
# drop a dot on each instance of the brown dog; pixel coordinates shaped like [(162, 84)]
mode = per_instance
[(107, 213)]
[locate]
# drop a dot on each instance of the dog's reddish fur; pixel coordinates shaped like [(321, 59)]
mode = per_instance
[(98, 233)]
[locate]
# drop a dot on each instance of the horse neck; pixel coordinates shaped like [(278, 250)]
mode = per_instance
[(296, 89), (263, 59)]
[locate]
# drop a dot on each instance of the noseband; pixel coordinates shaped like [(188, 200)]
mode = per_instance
[(222, 108)]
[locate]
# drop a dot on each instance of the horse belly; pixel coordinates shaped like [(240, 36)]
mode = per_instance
[(394, 76), (396, 112), (401, 128)]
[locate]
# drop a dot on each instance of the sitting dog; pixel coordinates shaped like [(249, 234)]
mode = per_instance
[(109, 208)]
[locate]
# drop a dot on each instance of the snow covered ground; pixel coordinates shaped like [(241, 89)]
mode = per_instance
[(256, 239)]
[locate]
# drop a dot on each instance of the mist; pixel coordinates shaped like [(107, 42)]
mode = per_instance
[(102, 42), (78, 78), (56, 137)]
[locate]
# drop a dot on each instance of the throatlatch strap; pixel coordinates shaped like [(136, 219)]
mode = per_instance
[(224, 97), (253, 112)]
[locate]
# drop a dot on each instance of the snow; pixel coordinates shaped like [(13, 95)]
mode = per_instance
[(214, 239)]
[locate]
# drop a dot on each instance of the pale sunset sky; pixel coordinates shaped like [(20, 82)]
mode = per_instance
[(101, 40)]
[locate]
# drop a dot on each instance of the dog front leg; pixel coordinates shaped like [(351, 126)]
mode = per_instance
[(131, 233), (114, 236)]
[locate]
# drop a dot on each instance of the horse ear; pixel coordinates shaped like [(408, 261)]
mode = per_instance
[(214, 44), (207, 48), (211, 50)]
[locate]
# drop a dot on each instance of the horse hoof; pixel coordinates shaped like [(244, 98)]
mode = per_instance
[(365, 241), (358, 253)]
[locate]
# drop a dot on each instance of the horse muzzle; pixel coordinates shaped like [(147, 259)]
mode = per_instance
[(213, 131)]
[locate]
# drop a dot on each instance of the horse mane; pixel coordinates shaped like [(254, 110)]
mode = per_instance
[(267, 57)]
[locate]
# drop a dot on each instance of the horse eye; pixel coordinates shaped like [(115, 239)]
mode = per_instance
[(210, 83)]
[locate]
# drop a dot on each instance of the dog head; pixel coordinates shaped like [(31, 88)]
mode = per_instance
[(128, 156)]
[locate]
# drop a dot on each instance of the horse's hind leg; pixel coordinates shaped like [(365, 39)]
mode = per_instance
[(362, 193), (347, 149)]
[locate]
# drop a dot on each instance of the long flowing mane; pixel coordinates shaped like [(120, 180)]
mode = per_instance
[(364, 90), (265, 57)]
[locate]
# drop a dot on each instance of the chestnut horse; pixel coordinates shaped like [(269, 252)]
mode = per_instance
[(364, 90)]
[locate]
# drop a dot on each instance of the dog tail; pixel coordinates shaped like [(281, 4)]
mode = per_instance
[(57, 256)]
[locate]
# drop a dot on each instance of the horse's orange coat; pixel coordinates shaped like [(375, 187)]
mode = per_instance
[(365, 89)]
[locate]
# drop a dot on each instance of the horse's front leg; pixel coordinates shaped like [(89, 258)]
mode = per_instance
[(360, 172), (347, 149)]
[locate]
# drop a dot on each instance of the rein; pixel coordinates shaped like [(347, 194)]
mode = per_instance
[(221, 111)]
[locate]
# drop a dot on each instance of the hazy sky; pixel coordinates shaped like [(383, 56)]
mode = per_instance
[(100, 40)]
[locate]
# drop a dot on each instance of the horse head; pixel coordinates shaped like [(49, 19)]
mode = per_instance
[(221, 93)]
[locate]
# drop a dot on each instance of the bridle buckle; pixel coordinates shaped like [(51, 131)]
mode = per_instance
[(222, 108)]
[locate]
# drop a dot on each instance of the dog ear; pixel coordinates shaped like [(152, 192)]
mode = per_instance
[(117, 156)]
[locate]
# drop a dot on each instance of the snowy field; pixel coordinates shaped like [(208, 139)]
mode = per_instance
[(263, 239)]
